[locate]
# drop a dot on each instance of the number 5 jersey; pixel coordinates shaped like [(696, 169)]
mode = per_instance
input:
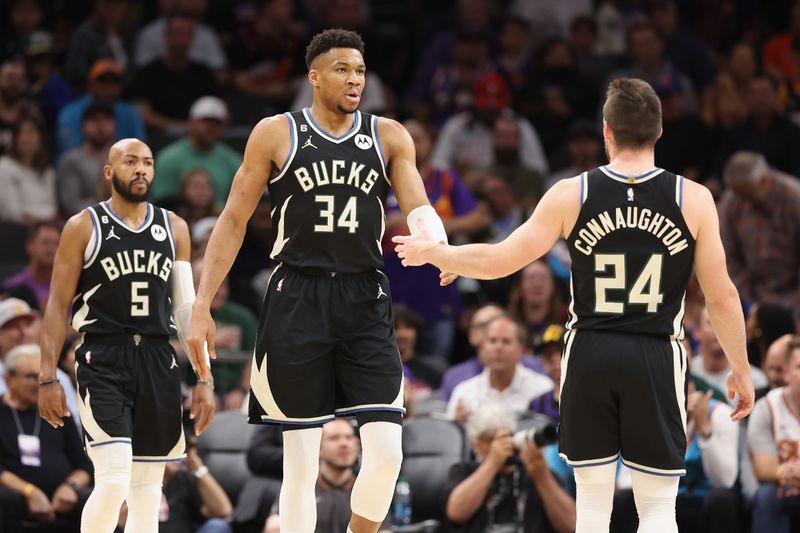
[(124, 285)]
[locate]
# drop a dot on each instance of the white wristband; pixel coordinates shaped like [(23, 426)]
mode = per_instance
[(200, 472), (425, 218)]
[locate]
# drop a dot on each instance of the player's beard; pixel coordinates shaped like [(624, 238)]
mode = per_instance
[(127, 193), (344, 111)]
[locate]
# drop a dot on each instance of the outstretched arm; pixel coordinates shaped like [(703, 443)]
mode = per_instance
[(554, 216)]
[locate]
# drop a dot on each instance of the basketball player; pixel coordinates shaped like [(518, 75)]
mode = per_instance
[(325, 343), (115, 265), (634, 233)]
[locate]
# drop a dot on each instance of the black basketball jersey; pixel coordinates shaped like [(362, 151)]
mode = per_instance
[(328, 197), (123, 288), (632, 254)]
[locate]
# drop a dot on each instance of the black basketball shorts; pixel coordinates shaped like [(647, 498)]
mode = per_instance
[(131, 394), (325, 348), (623, 395)]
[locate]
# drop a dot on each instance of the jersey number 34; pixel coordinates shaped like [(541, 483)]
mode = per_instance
[(646, 290)]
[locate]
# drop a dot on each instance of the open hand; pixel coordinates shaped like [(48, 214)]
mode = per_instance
[(741, 384), (414, 250)]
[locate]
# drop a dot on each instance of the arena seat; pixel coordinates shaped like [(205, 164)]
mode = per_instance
[(223, 446), (431, 445)]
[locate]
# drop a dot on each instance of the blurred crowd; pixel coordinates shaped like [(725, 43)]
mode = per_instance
[(502, 100)]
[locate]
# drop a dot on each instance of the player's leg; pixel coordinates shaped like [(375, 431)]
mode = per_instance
[(382, 453), (144, 496), (655, 501), (292, 383), (589, 428), (105, 410), (157, 432), (112, 477), (297, 501), (369, 377), (652, 426)]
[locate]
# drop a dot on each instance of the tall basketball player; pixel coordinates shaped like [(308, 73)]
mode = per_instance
[(634, 233), (325, 344), (117, 264)]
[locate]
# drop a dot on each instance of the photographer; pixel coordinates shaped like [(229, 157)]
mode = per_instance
[(507, 489)]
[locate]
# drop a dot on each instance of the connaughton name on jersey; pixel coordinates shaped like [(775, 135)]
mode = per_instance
[(631, 218), (337, 174), (134, 262)]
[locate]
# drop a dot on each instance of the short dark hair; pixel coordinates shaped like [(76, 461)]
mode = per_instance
[(332, 38), (96, 109), (37, 227), (404, 315), (633, 112)]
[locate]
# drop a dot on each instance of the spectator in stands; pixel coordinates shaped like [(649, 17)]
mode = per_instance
[(514, 60), (192, 500), (419, 288), (205, 47), (485, 494), (583, 41), (265, 462), (535, 300), (774, 366), (196, 197), (648, 52), (504, 205), (267, 53), (555, 96), (80, 169), (19, 324), (27, 179), (765, 323), (726, 102), (14, 108), (422, 373), (773, 436), (685, 140), (508, 163), (778, 51), (760, 226), (104, 86), (548, 347), (44, 471), (766, 131), (41, 249), (201, 148), (50, 90), (584, 146), (710, 363), (465, 140), (338, 455), (444, 88), (24, 17), (236, 331), (504, 380), (105, 34), (706, 498), (686, 50), (166, 88)]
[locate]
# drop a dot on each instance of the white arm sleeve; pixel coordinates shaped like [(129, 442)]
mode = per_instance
[(720, 451), (423, 218), (182, 286)]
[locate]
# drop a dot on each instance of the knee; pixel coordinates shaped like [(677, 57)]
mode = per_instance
[(384, 459)]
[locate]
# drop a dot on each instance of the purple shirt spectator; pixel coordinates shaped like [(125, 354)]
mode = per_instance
[(473, 367), (40, 289)]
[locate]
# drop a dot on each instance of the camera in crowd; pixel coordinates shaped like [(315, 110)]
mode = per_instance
[(542, 431)]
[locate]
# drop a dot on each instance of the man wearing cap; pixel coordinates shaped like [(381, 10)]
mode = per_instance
[(19, 325), (466, 138), (105, 86), (201, 148), (80, 169)]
